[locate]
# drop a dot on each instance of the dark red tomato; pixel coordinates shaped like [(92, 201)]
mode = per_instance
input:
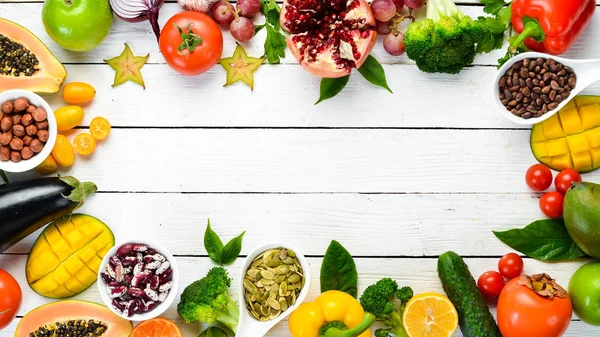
[(564, 179), (10, 298), (538, 177), (490, 284), (194, 49), (551, 204), (510, 265)]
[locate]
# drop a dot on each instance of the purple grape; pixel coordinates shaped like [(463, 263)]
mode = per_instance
[(414, 4), (248, 8), (242, 29), (383, 10), (222, 13), (394, 44)]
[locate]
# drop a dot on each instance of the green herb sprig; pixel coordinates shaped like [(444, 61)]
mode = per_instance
[(275, 43), (223, 255)]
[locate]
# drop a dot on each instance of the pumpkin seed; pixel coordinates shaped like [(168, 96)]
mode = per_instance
[(272, 283)]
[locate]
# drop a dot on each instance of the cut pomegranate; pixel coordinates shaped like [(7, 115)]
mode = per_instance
[(329, 37)]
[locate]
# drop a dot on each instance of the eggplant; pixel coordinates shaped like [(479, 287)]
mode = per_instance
[(26, 206)]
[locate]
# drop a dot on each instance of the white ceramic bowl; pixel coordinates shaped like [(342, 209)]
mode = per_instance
[(33, 162), (248, 326), (161, 308)]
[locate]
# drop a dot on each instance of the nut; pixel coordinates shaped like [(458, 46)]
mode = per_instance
[(42, 125), (31, 108), (7, 107), (18, 130), (21, 104), (43, 135), (36, 145), (6, 123), (4, 153), (27, 153), (27, 119), (16, 119), (39, 115), (16, 144), (27, 140), (5, 138), (15, 156)]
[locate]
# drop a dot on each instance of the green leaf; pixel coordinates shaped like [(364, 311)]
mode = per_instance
[(330, 87), (213, 244), (373, 72), (274, 45), (544, 240), (493, 6), (4, 177), (232, 250), (338, 271), (213, 332), (258, 28)]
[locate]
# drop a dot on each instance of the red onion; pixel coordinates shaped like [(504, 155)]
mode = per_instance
[(138, 11)]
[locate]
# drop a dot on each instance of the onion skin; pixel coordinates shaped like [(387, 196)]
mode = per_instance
[(203, 6), (138, 11)]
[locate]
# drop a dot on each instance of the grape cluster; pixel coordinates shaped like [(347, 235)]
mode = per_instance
[(237, 18), (388, 15)]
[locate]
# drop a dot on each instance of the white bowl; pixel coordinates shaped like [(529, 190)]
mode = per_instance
[(248, 326), (33, 162), (161, 308)]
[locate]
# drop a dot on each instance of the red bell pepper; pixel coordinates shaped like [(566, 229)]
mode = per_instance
[(550, 26)]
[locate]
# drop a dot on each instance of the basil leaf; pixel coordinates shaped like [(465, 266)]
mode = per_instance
[(213, 244), (373, 72), (338, 271), (544, 240), (232, 250), (330, 87)]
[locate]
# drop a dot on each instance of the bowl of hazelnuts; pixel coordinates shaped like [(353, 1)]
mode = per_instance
[(27, 130)]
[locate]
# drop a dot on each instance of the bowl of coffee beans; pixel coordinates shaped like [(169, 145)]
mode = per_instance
[(531, 87), (27, 130)]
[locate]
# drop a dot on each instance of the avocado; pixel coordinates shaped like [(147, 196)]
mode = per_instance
[(582, 216)]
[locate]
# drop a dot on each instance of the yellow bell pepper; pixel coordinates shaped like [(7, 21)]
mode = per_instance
[(332, 314)]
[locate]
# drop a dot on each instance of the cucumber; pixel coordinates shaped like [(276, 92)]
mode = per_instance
[(474, 317)]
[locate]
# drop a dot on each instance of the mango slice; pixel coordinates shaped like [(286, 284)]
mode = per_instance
[(65, 259), (570, 138)]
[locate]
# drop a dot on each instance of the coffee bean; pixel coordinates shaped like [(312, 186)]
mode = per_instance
[(547, 76), (523, 73), (513, 103), (545, 98), (561, 81), (546, 89), (525, 100), (552, 106), (558, 99), (539, 102), (529, 83), (507, 93), (544, 108), (536, 82), (504, 101)]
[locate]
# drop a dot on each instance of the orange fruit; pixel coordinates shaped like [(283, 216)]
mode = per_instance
[(68, 117), (430, 315), (99, 128), (156, 327), (78, 92), (48, 166), (84, 144), (63, 151)]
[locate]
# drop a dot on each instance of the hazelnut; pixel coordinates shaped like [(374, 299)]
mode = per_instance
[(31, 108), (27, 153), (4, 153), (21, 104), (43, 135), (16, 119), (6, 123), (16, 144), (27, 140), (36, 146), (27, 119), (31, 130), (18, 130), (5, 138), (42, 125), (7, 107), (15, 156), (39, 115)]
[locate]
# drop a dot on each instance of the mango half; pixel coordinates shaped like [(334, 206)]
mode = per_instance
[(65, 259), (571, 137)]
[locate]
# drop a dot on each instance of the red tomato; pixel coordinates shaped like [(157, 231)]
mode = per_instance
[(564, 179), (538, 177), (194, 50), (490, 284), (551, 204), (510, 265), (523, 313), (10, 298)]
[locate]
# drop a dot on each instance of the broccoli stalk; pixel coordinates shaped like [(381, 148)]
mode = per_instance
[(208, 301), (448, 40), (378, 300)]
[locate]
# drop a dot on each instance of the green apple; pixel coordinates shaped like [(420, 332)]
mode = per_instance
[(584, 289), (78, 25)]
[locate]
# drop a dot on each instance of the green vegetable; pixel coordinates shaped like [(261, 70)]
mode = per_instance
[(213, 331), (207, 301), (474, 316), (275, 43), (377, 300), (338, 271), (448, 40), (493, 6), (222, 255), (544, 240)]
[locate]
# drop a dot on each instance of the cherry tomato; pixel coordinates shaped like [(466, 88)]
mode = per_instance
[(538, 177), (564, 179), (490, 284), (510, 265), (522, 312), (194, 49), (10, 298), (551, 204)]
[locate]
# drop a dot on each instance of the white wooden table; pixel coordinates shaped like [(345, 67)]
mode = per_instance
[(398, 179)]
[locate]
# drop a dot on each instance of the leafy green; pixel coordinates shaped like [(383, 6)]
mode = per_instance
[(544, 240), (222, 255), (213, 331), (493, 6), (373, 72), (330, 87), (338, 271), (275, 43)]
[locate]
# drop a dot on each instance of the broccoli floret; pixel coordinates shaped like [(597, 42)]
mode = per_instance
[(378, 300), (208, 301), (447, 40)]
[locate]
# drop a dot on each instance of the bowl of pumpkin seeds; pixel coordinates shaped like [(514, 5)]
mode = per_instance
[(275, 281)]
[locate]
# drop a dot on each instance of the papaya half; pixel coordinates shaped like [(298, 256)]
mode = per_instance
[(26, 62), (65, 259), (73, 319), (571, 137)]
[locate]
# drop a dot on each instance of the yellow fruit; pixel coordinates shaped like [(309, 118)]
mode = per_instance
[(78, 93), (84, 144), (65, 259), (430, 315), (63, 151), (99, 128), (570, 138), (68, 117), (48, 166)]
